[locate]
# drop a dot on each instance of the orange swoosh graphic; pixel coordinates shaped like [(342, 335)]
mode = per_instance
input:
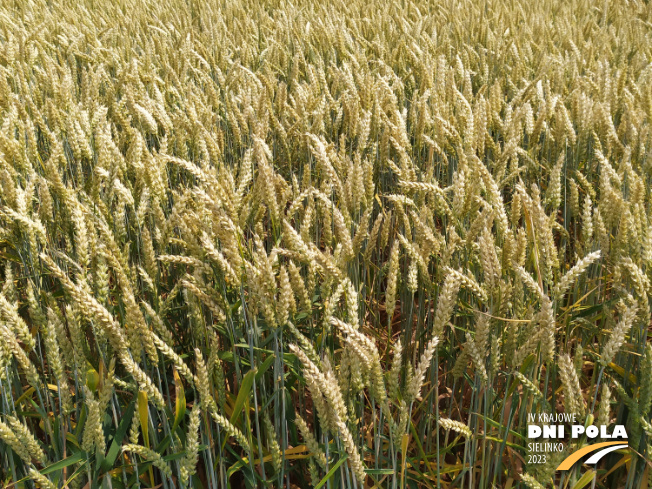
[(575, 456)]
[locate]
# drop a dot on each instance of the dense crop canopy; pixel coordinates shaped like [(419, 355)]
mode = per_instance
[(330, 244)]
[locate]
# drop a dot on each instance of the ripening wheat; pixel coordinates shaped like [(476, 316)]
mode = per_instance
[(341, 244)]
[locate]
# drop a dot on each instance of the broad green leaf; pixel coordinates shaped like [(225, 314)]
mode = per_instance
[(114, 449), (61, 464), (243, 394), (584, 480), (264, 366), (331, 472)]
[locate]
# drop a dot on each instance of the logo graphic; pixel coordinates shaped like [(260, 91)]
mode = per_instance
[(603, 449), (547, 432)]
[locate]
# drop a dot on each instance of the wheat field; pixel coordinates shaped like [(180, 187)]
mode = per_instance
[(335, 245)]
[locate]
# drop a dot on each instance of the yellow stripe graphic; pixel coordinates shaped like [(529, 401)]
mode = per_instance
[(575, 456)]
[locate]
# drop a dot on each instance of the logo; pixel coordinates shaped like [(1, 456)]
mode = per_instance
[(551, 429), (602, 450)]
